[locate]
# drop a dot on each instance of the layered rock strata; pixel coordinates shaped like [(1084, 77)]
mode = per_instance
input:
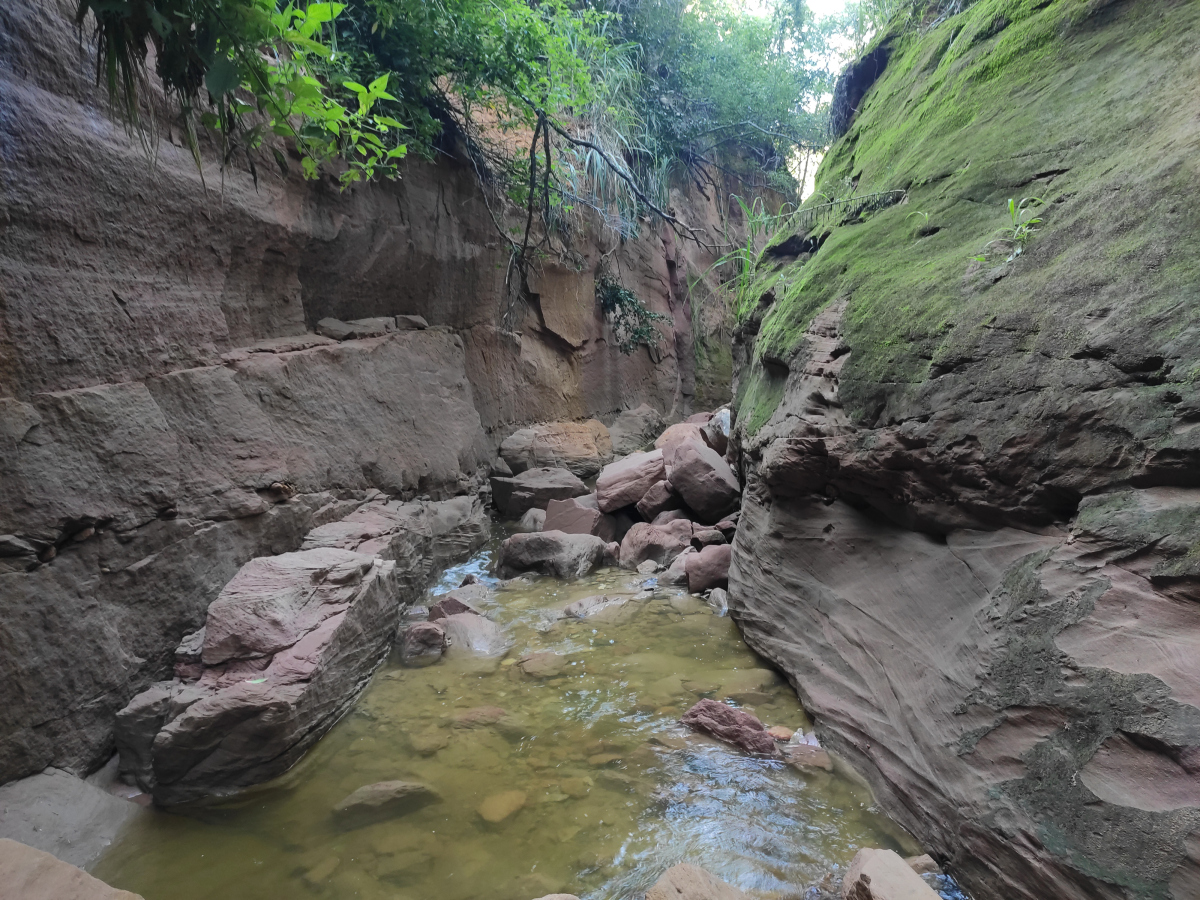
[(168, 411)]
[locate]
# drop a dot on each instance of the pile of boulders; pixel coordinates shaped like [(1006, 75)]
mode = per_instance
[(668, 506)]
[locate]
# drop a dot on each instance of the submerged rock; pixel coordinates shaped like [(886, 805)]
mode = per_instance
[(422, 644), (449, 605), (471, 633), (883, 875), (551, 553), (688, 882), (534, 520), (597, 606), (498, 807), (383, 800), (718, 601), (542, 664), (734, 726)]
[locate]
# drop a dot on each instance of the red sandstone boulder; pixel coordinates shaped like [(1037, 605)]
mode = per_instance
[(287, 646), (681, 433), (709, 568), (551, 553), (573, 517), (705, 482), (659, 498), (422, 644), (671, 515), (581, 448), (534, 489), (661, 543), (449, 606), (736, 726), (626, 481)]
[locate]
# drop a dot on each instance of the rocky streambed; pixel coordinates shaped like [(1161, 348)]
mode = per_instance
[(552, 760)]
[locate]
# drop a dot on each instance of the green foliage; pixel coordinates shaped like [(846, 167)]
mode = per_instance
[(253, 66), (1021, 227), (632, 323), (759, 227)]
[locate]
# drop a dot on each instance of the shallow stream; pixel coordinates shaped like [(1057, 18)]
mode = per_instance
[(606, 789)]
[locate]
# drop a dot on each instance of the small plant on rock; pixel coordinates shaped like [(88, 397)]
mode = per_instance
[(1021, 227), (631, 321)]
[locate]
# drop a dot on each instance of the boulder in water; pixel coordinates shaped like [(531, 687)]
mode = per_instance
[(534, 520), (288, 645), (661, 543), (551, 553), (709, 568), (472, 633), (383, 800), (422, 644), (735, 726)]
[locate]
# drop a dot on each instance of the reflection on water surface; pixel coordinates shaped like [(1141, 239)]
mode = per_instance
[(602, 788)]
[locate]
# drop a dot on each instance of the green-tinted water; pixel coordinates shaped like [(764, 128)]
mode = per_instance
[(613, 790)]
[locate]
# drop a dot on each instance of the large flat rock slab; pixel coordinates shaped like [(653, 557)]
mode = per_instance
[(63, 815), (30, 874)]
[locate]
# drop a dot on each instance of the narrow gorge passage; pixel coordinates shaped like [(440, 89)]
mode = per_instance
[(595, 787)]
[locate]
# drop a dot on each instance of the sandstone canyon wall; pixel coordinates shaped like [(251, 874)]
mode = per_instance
[(970, 531), (163, 395)]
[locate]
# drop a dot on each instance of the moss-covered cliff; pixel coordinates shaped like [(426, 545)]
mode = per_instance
[(1080, 103), (969, 526)]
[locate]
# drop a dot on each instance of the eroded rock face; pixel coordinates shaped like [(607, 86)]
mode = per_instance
[(581, 448), (635, 429), (965, 545), (288, 645), (159, 409)]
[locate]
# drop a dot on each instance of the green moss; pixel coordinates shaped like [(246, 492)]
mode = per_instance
[(758, 398), (965, 116)]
